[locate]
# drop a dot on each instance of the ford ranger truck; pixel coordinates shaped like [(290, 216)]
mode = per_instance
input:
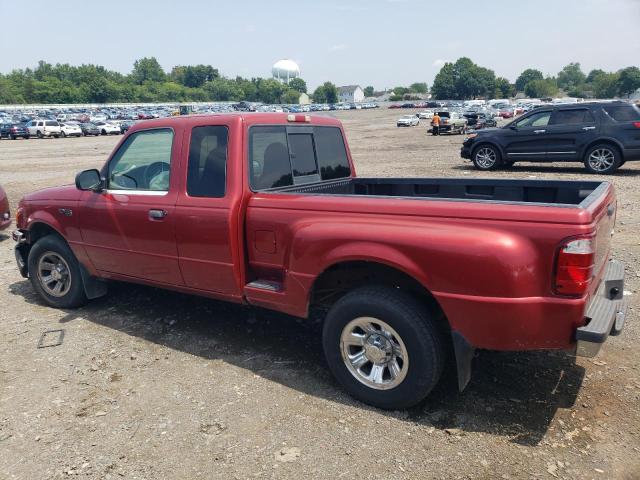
[(266, 210)]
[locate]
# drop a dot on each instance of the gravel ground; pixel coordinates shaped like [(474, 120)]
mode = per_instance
[(151, 384)]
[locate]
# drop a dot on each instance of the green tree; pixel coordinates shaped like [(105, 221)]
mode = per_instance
[(271, 91), (298, 84), (291, 96), (605, 85), (541, 88), (418, 87), (331, 92), (147, 70), (444, 83), (193, 76), (526, 76), (571, 77), (628, 80), (593, 74), (369, 91), (504, 89)]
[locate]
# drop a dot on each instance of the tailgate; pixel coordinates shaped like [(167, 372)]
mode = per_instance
[(605, 218)]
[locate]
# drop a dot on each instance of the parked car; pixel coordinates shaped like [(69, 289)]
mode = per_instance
[(127, 124), (601, 135), (5, 213), (13, 131), (70, 130), (89, 129), (452, 122), (479, 120), (43, 128), (107, 128), (455, 264), (425, 115), (408, 121)]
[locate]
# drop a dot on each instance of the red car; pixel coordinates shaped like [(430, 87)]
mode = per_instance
[(506, 113), (266, 210), (5, 213)]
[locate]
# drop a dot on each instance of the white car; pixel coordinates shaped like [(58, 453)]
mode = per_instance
[(70, 130), (408, 121), (43, 128), (426, 115), (107, 128)]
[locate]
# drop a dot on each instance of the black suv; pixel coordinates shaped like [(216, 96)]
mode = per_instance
[(601, 135)]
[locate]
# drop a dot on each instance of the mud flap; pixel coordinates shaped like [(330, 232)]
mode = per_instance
[(93, 287), (464, 358)]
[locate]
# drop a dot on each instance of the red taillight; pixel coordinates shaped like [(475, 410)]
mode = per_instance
[(636, 124), (574, 266)]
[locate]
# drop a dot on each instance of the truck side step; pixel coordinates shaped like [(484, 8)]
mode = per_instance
[(268, 285)]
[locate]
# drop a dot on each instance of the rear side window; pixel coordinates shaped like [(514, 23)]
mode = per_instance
[(572, 117), (332, 153), (622, 113), (51, 124), (282, 157), (269, 158), (207, 170)]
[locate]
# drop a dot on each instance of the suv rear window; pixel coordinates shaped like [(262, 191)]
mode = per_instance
[(281, 156), (622, 113)]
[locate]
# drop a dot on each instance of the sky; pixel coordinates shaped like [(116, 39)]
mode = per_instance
[(384, 43)]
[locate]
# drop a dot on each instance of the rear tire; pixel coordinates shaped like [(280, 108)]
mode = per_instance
[(383, 347), (63, 135), (602, 159), (39, 134), (54, 273), (486, 157)]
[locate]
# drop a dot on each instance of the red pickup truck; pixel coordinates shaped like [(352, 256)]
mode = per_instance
[(266, 210)]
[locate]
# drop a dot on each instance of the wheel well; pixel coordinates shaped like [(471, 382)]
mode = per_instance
[(611, 143), (343, 277), (39, 230)]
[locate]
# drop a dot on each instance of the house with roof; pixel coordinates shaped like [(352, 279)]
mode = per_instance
[(351, 94)]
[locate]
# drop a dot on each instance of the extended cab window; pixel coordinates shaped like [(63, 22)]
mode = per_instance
[(142, 162), (206, 175), (572, 117), (281, 156), (540, 119)]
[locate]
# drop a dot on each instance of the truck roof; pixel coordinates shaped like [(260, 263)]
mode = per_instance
[(249, 118)]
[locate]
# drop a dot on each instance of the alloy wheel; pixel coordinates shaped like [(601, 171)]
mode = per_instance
[(54, 274), (601, 159)]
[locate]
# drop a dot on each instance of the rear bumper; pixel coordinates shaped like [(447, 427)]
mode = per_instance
[(605, 314)]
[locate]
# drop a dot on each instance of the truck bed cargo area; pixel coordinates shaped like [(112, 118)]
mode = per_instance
[(576, 193)]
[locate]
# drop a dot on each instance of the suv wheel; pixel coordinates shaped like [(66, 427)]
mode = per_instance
[(39, 134), (602, 158), (486, 157), (383, 346), (63, 135), (54, 272)]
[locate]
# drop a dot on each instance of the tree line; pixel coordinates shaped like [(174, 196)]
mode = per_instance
[(463, 79), (147, 82)]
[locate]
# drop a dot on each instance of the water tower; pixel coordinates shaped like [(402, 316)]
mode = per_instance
[(285, 70)]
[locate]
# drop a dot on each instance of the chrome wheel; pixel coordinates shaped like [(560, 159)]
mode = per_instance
[(486, 157), (601, 159), (374, 353), (54, 274)]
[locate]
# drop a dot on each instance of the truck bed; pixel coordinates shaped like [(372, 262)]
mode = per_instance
[(539, 192)]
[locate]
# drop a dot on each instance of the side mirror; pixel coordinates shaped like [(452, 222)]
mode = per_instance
[(89, 180), (513, 127)]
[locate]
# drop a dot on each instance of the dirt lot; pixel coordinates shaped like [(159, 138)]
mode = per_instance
[(150, 384)]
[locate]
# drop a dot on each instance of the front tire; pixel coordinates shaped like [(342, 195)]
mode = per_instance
[(383, 347), (602, 159), (63, 135), (486, 157), (55, 274), (39, 134)]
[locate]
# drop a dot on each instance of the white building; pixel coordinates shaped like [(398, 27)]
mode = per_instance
[(351, 94)]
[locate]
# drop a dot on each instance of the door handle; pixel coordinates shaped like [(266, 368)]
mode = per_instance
[(539, 131), (588, 128), (157, 214)]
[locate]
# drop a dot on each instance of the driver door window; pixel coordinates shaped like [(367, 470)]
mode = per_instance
[(540, 119), (143, 162)]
